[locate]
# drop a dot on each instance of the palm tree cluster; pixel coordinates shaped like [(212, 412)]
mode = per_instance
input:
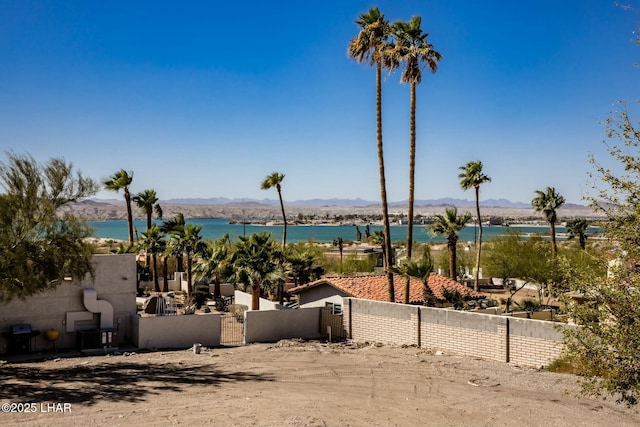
[(253, 262)]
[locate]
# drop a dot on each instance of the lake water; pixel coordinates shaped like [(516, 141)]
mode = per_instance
[(216, 228)]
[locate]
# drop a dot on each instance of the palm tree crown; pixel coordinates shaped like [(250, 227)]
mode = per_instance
[(121, 180), (368, 45), (548, 202), (147, 200), (258, 264), (275, 180), (412, 48), (215, 264), (577, 228), (472, 175), (449, 225)]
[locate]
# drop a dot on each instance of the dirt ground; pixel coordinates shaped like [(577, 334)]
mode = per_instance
[(297, 384)]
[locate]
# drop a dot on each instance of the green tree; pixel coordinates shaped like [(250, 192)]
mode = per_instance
[(121, 180), (605, 346), (411, 49), (472, 176), (147, 200), (152, 243), (578, 228), (188, 240), (275, 180), (39, 245), (548, 202), (370, 46), (258, 265), (511, 256), (449, 225)]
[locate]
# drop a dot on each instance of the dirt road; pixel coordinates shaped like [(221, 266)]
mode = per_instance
[(296, 384)]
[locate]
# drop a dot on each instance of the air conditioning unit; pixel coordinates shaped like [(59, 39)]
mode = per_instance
[(96, 339)]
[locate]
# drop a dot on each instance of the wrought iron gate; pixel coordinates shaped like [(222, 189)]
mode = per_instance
[(231, 329)]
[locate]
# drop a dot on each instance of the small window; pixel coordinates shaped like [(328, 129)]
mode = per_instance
[(335, 308)]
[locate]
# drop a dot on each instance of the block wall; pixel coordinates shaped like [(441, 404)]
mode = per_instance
[(525, 342)]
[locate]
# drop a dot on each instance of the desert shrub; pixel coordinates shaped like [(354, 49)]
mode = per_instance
[(200, 295), (530, 305)]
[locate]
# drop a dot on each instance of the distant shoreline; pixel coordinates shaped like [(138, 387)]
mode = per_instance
[(92, 210)]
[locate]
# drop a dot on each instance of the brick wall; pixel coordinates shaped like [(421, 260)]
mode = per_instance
[(521, 341)]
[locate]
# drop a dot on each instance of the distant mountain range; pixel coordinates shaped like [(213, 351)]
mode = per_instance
[(462, 203)]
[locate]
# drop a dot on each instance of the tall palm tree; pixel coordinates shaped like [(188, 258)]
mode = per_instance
[(411, 49), (548, 202), (473, 177), (147, 200), (449, 225), (578, 228), (151, 242), (369, 46), (121, 180), (258, 264), (275, 180), (189, 241)]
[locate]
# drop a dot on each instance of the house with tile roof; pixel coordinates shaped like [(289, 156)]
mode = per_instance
[(374, 287)]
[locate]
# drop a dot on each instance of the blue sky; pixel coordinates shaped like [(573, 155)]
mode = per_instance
[(204, 99)]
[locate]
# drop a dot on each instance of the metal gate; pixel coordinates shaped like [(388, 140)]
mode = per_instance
[(331, 325), (231, 329)]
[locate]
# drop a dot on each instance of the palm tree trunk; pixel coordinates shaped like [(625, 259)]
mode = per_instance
[(216, 287), (412, 173), (554, 248), (156, 282), (255, 297), (165, 274), (452, 258), (383, 184), (148, 227), (284, 219), (127, 199), (189, 265), (476, 285)]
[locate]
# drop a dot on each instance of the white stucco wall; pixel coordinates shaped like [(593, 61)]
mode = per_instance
[(274, 325), (115, 282), (155, 332), (244, 298)]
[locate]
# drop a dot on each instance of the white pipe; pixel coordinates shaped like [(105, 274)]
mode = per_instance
[(94, 305)]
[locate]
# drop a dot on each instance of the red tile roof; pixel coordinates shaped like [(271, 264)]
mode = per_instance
[(374, 287)]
